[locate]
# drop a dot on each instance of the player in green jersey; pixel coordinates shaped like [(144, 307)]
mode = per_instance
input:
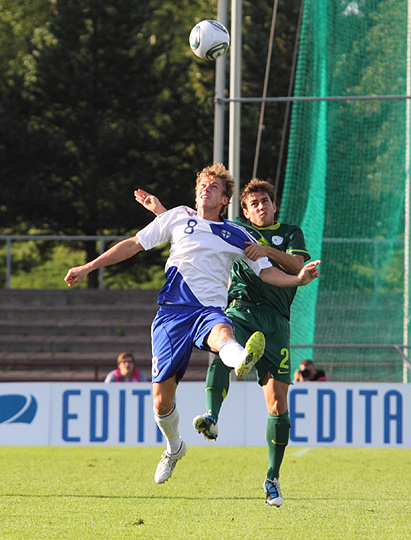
[(254, 304)]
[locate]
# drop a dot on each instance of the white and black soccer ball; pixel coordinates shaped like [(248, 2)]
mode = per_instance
[(209, 39)]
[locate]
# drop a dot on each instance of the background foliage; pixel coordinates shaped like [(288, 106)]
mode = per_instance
[(99, 98)]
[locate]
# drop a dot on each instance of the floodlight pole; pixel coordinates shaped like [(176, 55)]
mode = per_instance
[(406, 313), (220, 84), (235, 107)]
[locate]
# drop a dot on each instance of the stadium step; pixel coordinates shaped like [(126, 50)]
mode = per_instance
[(48, 327), (76, 343), (77, 334)]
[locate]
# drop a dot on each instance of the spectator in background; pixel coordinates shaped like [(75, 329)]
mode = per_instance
[(307, 372), (126, 371)]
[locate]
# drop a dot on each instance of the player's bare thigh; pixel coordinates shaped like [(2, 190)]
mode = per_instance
[(220, 333), (275, 393)]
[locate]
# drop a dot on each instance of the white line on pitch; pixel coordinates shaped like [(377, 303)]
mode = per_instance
[(302, 452)]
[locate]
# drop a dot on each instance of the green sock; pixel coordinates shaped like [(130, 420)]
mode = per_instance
[(277, 435), (217, 385)]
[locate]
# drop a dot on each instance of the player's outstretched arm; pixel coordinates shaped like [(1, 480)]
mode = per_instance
[(120, 252), (276, 277), (288, 262), (309, 272), (150, 202)]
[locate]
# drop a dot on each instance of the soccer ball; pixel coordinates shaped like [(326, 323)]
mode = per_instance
[(209, 40)]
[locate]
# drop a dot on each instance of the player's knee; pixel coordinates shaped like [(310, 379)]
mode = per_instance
[(277, 406), (162, 405)]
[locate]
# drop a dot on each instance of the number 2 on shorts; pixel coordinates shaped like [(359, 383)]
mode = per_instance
[(284, 367)]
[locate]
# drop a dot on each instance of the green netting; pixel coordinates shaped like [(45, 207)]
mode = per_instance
[(345, 185)]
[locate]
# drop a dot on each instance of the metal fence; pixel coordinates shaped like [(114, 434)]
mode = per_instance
[(401, 350), (104, 240), (9, 239)]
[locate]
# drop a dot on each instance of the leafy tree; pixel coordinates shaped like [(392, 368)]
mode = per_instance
[(106, 96), (109, 106), (257, 16), (19, 20)]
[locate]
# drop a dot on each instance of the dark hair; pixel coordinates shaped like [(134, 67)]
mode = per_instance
[(257, 186), (307, 363)]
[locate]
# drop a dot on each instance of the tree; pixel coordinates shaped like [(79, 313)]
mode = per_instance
[(257, 16), (105, 112), (19, 20), (109, 97)]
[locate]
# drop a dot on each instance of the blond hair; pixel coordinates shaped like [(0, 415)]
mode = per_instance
[(217, 170), (124, 355)]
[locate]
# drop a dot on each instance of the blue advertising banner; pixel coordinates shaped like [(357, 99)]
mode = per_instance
[(322, 414)]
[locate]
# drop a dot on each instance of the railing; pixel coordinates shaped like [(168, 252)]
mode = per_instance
[(102, 240), (6, 366), (400, 349), (22, 366)]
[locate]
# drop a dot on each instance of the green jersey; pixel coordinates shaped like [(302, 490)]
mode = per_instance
[(246, 286)]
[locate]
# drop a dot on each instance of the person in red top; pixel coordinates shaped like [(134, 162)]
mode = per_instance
[(126, 371)]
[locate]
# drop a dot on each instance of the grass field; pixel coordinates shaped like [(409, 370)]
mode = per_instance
[(215, 493)]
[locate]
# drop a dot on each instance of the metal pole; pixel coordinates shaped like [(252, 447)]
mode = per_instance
[(407, 200), (235, 107), (220, 84), (285, 99), (219, 105), (101, 270), (8, 263)]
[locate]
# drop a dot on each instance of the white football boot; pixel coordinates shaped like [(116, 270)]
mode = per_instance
[(167, 463)]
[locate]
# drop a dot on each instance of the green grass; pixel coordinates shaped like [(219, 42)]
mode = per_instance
[(215, 493)]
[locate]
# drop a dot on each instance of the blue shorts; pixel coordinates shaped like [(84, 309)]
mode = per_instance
[(175, 331)]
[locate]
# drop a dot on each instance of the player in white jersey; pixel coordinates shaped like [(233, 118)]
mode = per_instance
[(193, 299), (195, 239)]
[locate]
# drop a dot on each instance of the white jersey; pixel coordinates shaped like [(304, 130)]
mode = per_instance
[(201, 255)]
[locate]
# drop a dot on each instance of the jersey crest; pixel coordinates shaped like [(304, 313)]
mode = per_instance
[(277, 240), (231, 233), (201, 256)]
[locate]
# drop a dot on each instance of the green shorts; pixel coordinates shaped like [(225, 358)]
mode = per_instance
[(248, 318)]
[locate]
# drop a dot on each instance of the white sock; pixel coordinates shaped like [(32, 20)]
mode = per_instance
[(231, 352), (168, 425)]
